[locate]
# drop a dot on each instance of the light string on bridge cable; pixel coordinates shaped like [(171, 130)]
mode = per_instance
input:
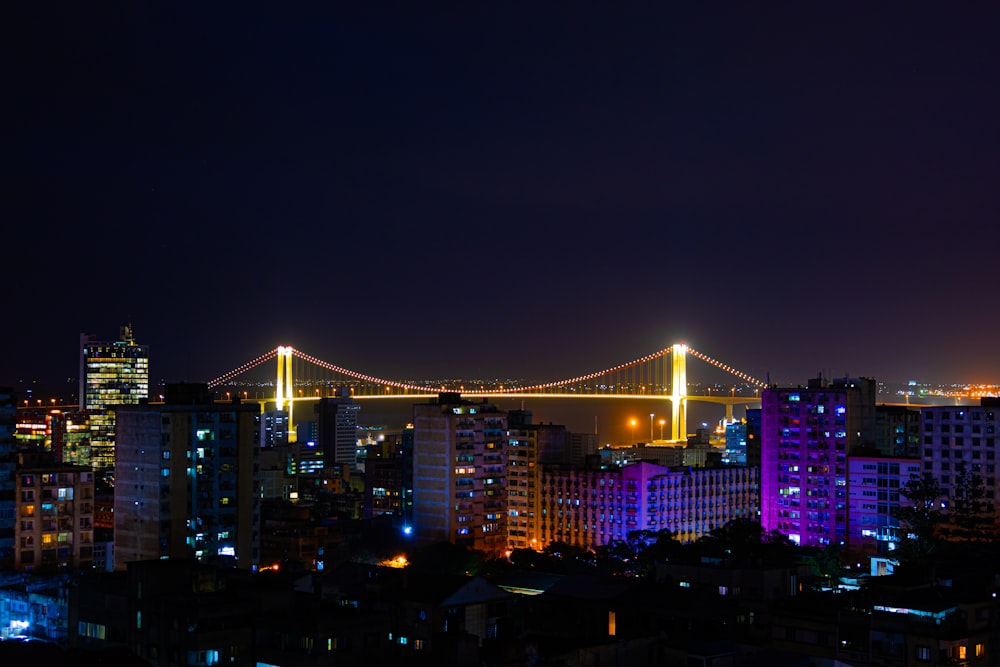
[(354, 374), (250, 365), (590, 376), (728, 369), (510, 390)]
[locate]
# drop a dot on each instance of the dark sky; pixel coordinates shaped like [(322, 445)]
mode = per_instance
[(506, 189)]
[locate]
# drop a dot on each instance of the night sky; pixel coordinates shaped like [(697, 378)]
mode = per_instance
[(505, 189)]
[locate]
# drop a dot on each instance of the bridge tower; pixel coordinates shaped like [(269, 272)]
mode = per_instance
[(284, 388), (678, 399)]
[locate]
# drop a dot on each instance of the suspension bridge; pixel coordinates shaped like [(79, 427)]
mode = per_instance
[(660, 376)]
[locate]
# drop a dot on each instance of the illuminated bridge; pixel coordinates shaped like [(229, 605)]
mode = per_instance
[(659, 376)]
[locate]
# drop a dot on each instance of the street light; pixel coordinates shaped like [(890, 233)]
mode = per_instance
[(651, 415), (662, 423), (632, 441)]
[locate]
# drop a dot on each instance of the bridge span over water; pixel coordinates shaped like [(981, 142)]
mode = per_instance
[(660, 376)]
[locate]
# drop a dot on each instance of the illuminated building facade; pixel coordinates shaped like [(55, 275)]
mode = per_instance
[(459, 473), (187, 481), (111, 374), (63, 433), (529, 448), (388, 477), (736, 444), (589, 508), (962, 440), (873, 484), (337, 429), (8, 465), (807, 434), (55, 517)]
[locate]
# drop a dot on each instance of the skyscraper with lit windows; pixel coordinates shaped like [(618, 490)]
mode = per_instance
[(459, 473), (111, 374), (188, 479), (807, 434)]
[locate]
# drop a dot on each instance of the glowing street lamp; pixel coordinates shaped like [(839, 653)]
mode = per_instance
[(632, 442), (651, 415), (662, 424)]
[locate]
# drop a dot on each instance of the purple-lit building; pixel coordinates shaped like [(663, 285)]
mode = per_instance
[(593, 507), (807, 434), (873, 484)]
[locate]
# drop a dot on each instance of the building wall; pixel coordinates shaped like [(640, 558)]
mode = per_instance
[(956, 438), (189, 483), (55, 526), (873, 486), (459, 473), (806, 436), (337, 430), (111, 374), (591, 508), (8, 464), (523, 497)]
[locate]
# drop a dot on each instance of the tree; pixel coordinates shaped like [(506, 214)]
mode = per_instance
[(919, 518), (827, 563), (968, 509)]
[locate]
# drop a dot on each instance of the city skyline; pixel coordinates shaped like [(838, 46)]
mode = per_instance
[(532, 192)]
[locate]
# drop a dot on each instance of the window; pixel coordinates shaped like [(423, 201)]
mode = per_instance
[(924, 653)]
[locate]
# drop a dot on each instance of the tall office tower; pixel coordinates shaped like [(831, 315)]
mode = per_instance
[(459, 469), (55, 527), (337, 428), (111, 374), (960, 442), (807, 434), (8, 465), (187, 481), (594, 507)]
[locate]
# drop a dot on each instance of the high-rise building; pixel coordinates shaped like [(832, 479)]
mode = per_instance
[(873, 485), (960, 443), (111, 374), (529, 448), (459, 473), (807, 433), (388, 477), (187, 479), (337, 429), (8, 465), (55, 526)]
